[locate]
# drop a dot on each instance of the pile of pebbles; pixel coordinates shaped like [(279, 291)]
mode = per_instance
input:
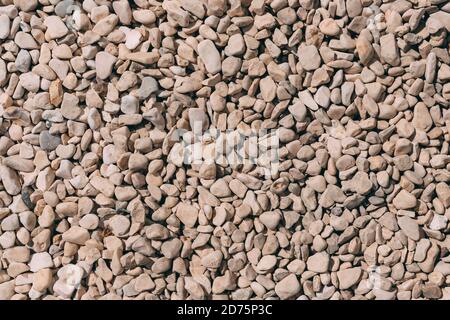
[(97, 200)]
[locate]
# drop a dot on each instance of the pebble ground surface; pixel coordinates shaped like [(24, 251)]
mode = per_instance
[(99, 201)]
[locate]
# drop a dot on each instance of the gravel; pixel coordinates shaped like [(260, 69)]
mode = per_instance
[(224, 149)]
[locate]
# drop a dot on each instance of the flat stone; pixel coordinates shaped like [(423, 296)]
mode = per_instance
[(410, 227), (48, 141), (288, 287)]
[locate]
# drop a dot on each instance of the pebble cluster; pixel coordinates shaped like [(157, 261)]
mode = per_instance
[(97, 202)]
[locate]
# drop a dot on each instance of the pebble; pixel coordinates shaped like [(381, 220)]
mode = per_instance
[(40, 261), (288, 287), (210, 56), (55, 27), (148, 86), (318, 262), (25, 41), (266, 263), (236, 45), (409, 227), (309, 57), (10, 223), (7, 290), (76, 235), (4, 26), (212, 260), (220, 189), (329, 27), (349, 277), (439, 222), (69, 107), (404, 200), (18, 254), (362, 183), (48, 141), (267, 87), (119, 225), (42, 280), (69, 278), (23, 61), (104, 63), (144, 283), (422, 119), (10, 180), (187, 214)]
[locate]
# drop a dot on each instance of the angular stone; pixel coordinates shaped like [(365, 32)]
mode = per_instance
[(104, 63), (309, 57)]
